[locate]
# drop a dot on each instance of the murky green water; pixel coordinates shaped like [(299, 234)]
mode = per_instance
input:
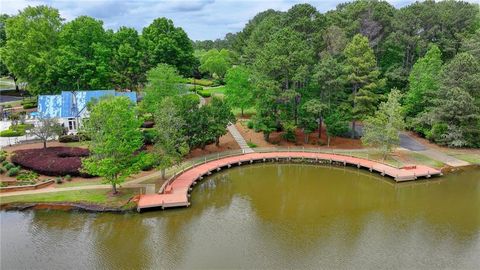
[(267, 216)]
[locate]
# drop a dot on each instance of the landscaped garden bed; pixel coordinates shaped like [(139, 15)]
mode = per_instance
[(52, 161)]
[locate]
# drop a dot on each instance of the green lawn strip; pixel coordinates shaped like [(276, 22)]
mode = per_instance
[(249, 111), (471, 158), (101, 197), (80, 183), (216, 90)]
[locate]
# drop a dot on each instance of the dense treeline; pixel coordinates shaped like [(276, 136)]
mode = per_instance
[(298, 69), (342, 64), (39, 48)]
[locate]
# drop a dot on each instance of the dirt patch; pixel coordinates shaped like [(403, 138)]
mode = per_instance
[(276, 139), (227, 142)]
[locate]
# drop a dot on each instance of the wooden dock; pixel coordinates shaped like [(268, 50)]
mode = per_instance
[(175, 192)]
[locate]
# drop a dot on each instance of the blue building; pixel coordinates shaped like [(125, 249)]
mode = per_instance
[(71, 106)]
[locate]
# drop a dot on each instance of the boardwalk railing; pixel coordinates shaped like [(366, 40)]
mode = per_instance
[(174, 171)]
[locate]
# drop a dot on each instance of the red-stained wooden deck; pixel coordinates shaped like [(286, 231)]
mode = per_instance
[(176, 192)]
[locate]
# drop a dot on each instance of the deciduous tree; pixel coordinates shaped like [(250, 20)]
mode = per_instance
[(382, 129), (113, 127)]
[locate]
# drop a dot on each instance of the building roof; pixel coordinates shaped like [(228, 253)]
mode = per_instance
[(73, 104)]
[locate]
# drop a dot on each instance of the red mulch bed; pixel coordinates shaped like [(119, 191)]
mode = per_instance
[(52, 161)]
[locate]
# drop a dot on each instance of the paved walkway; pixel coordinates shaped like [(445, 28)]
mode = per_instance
[(408, 142), (239, 138), (176, 192)]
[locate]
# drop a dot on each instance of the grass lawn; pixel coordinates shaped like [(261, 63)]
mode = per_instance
[(81, 183), (418, 158), (249, 111), (216, 90), (101, 197), (468, 157)]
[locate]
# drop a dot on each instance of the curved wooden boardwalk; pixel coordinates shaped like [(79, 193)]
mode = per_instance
[(176, 192)]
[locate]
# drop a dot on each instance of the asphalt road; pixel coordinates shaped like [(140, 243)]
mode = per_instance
[(4, 98), (410, 143)]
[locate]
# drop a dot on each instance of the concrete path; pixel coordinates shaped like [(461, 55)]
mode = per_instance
[(408, 142), (239, 138)]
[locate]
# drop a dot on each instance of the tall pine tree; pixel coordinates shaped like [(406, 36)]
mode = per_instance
[(363, 78)]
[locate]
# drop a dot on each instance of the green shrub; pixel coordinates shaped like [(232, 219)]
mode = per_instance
[(21, 127), (58, 180), (68, 138), (204, 93), (193, 97), (193, 88), (27, 176), (3, 184), (13, 171), (29, 106), (250, 124), (149, 136), (289, 133), (2, 158), (67, 177), (437, 132), (2, 170), (4, 163), (148, 162), (12, 133), (251, 144), (8, 165)]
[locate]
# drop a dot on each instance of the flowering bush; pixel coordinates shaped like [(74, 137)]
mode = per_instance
[(52, 161)]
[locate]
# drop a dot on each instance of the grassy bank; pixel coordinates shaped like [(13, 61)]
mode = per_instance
[(100, 197)]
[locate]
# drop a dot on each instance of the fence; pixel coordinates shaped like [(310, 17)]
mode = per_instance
[(174, 171)]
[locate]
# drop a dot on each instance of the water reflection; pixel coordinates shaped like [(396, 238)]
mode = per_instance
[(267, 216)]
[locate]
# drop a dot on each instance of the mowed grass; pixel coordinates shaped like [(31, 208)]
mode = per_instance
[(249, 111), (468, 157), (101, 197), (81, 183)]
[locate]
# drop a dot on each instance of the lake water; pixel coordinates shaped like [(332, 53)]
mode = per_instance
[(267, 216)]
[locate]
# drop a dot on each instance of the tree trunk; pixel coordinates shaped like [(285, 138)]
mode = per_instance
[(242, 111), (163, 173), (114, 188), (320, 127), (328, 140), (44, 144), (266, 136), (306, 137), (353, 129), (15, 82), (217, 141)]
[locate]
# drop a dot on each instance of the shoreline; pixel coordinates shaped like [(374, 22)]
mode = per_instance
[(65, 206), (98, 208)]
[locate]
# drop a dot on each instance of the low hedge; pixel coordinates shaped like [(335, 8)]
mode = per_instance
[(73, 138), (15, 130), (201, 82), (29, 106), (193, 88), (12, 133), (205, 93), (52, 161)]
